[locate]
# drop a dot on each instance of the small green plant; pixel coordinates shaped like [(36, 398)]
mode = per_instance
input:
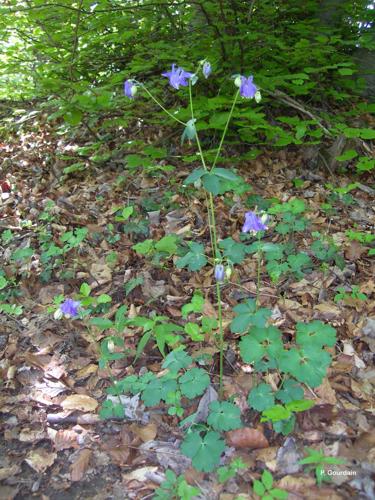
[(264, 489), (175, 488), (364, 238), (326, 250), (165, 248), (317, 461), (345, 296), (229, 471)]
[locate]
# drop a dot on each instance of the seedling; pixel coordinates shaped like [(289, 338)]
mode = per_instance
[(317, 461)]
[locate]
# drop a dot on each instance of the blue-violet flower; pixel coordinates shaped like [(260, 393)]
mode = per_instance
[(247, 88), (206, 69), (130, 89), (219, 273), (178, 76), (253, 223), (70, 308)]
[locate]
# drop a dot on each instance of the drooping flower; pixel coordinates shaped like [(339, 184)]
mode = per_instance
[(130, 89), (206, 69), (219, 273), (70, 307), (258, 97), (247, 88), (254, 223), (178, 76)]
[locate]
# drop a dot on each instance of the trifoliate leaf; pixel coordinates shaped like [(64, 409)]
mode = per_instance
[(290, 391), (144, 247), (168, 244), (315, 334), (195, 259), (225, 174), (307, 365), (261, 397), (261, 342), (298, 263), (224, 416), (212, 183), (157, 390), (247, 315), (194, 176), (204, 451), (194, 332), (301, 405), (234, 251), (176, 360), (284, 427), (194, 382)]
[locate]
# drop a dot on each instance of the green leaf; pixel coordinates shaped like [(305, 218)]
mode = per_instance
[(22, 254), (225, 174), (3, 282), (290, 391), (194, 176), (157, 390), (347, 155), (301, 405), (261, 342), (275, 414), (267, 479), (168, 244), (131, 284), (224, 416), (278, 493), (212, 183), (204, 451), (258, 488), (145, 247), (194, 382), (308, 365), (104, 299), (195, 259), (233, 251), (177, 360), (101, 323), (85, 289), (196, 305), (194, 332), (247, 315), (315, 334), (261, 397)]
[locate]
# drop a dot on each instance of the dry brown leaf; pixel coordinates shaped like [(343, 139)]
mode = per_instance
[(247, 438), (8, 492), (101, 272), (145, 432), (80, 466), (354, 251), (325, 393), (140, 475), (40, 459), (296, 484), (64, 439), (7, 472), (47, 293), (86, 371), (79, 402)]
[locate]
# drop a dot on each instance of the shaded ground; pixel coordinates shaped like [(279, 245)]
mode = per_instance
[(51, 449)]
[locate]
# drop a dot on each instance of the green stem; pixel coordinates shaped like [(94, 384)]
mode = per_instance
[(162, 107), (225, 128), (259, 253), (221, 339)]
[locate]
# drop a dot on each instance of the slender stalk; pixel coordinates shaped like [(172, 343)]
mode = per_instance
[(259, 253), (225, 128), (161, 106), (221, 339)]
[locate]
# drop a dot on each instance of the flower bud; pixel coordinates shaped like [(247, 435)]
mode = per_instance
[(238, 81), (58, 314), (257, 96), (111, 345), (228, 272), (219, 273)]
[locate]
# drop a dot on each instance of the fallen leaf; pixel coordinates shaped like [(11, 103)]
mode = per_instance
[(140, 475), (288, 457), (354, 251), (101, 273), (40, 459), (145, 432), (65, 439), (325, 393), (7, 472), (296, 484), (247, 438), (79, 402), (79, 467), (47, 293)]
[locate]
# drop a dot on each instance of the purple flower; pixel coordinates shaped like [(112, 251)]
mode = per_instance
[(130, 89), (247, 88), (219, 273), (70, 308), (206, 69), (253, 223), (178, 77)]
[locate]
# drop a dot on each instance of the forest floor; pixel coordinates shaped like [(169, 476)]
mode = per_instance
[(54, 445)]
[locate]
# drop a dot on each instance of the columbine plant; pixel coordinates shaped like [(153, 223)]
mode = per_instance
[(208, 176)]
